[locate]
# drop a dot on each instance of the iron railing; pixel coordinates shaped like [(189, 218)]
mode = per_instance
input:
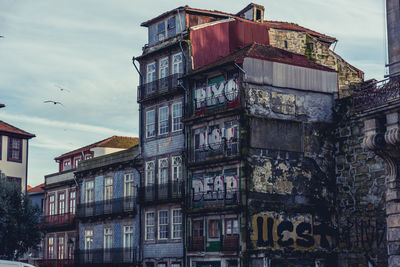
[(106, 207), (171, 191), (105, 256), (222, 198), (224, 148), (57, 219), (55, 262), (226, 243), (376, 93), (168, 84)]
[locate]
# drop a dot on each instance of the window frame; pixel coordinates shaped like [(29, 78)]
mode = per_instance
[(176, 117), (72, 202), (164, 224), (148, 226), (176, 168), (88, 238), (131, 237), (198, 232), (173, 224), (129, 183), (52, 205), (163, 70), (163, 171), (50, 248), (89, 190), (213, 228), (11, 149), (63, 202), (108, 189), (151, 78), (163, 130), (153, 172), (108, 237), (232, 220), (179, 63), (60, 246), (153, 111)]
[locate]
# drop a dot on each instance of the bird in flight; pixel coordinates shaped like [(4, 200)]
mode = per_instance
[(54, 102), (62, 89)]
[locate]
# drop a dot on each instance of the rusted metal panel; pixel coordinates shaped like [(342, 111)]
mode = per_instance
[(218, 40), (198, 19)]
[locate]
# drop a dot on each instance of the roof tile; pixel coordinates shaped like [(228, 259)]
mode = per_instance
[(7, 128)]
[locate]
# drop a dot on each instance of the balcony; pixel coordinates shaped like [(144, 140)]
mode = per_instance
[(57, 220), (215, 199), (212, 151), (376, 94), (54, 263), (107, 207), (159, 87), (106, 257), (161, 193), (209, 105), (225, 244)]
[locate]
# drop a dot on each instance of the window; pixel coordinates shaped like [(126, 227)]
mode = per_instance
[(51, 205), (89, 195), (285, 44), (231, 227), (163, 171), (161, 31), (176, 117), (16, 180), (66, 164), (177, 63), (60, 251), (129, 187), (128, 236), (163, 224), (76, 162), (213, 228), (61, 203), (149, 227), (163, 68), (14, 149), (50, 247), (72, 201), (151, 72), (162, 264), (171, 26), (88, 239), (108, 237), (175, 265), (176, 223), (150, 123), (198, 228), (163, 120), (176, 168), (108, 188), (150, 173)]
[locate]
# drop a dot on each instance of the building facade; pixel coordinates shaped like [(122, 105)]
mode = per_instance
[(14, 154), (108, 211), (62, 196)]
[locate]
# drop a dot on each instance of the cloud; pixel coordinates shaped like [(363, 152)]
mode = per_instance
[(63, 125)]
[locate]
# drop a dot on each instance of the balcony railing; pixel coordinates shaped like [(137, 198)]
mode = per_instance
[(55, 263), (196, 244), (222, 198), (107, 207), (211, 104), (226, 243), (164, 85), (213, 150), (107, 257), (376, 93), (57, 219), (167, 192)]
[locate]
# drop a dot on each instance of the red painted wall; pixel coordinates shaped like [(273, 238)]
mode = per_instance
[(219, 40)]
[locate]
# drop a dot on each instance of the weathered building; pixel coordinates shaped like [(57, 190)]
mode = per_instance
[(108, 220), (61, 199)]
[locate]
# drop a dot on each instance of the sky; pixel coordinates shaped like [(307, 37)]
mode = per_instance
[(86, 47)]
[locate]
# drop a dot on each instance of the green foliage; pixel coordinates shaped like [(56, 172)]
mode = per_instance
[(19, 229)]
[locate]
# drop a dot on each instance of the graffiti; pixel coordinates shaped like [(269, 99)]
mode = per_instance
[(215, 187), (270, 231), (214, 94), (362, 233)]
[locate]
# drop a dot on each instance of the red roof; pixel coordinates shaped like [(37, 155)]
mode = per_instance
[(35, 189), (7, 128), (113, 142), (295, 27), (265, 52)]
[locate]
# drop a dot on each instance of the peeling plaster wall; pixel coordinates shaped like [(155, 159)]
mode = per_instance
[(360, 179)]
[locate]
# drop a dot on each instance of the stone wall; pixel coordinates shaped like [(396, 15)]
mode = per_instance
[(302, 43), (360, 178)]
